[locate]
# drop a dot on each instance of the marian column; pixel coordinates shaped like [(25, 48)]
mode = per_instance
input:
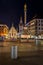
[(25, 11)]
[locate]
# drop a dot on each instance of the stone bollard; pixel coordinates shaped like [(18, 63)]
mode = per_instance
[(14, 53)]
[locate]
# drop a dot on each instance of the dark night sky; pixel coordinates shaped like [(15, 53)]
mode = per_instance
[(11, 10)]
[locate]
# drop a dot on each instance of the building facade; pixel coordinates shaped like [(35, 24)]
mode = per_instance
[(35, 27), (4, 30), (12, 33)]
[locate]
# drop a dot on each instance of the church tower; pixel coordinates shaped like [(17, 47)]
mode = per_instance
[(25, 12), (20, 25)]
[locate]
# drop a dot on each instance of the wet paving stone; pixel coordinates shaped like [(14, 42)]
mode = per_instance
[(24, 58)]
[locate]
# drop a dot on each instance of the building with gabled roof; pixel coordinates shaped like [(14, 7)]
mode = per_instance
[(12, 32)]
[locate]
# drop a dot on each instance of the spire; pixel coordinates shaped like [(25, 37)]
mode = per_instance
[(20, 19), (20, 25), (12, 24)]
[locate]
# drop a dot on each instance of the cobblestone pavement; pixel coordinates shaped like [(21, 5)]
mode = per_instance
[(24, 58), (28, 54)]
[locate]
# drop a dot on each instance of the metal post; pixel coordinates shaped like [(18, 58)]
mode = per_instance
[(14, 52)]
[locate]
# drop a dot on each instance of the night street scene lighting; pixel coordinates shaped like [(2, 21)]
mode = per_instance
[(21, 32)]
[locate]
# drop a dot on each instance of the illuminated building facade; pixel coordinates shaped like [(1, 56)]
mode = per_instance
[(35, 27), (4, 30), (12, 33)]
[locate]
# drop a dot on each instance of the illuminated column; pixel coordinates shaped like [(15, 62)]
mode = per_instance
[(25, 11)]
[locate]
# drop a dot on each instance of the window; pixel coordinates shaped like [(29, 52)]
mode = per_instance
[(38, 20), (38, 28), (41, 21), (42, 28), (41, 24)]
